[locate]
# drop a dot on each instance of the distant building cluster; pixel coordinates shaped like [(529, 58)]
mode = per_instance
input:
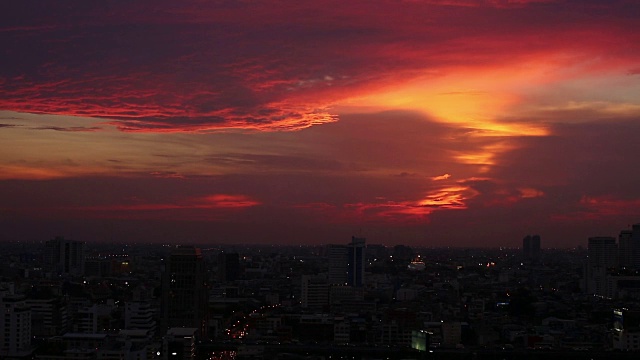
[(612, 271), (64, 256), (612, 268), (70, 300)]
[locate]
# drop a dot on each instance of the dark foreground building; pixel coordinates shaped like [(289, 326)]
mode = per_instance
[(184, 290)]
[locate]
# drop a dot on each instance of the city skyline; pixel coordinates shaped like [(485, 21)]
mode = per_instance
[(428, 123)]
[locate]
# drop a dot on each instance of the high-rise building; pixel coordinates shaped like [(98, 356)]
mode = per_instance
[(314, 292), (356, 261), (635, 246), (531, 247), (48, 316), (64, 256), (15, 327), (602, 256), (338, 264), (228, 267), (629, 248), (346, 263), (184, 290), (602, 252), (625, 248), (626, 330)]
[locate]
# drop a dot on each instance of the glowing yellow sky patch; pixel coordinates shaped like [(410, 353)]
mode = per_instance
[(606, 108), (484, 156), (469, 98), (448, 197)]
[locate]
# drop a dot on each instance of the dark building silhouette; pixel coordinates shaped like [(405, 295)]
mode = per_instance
[(184, 290), (602, 252), (356, 261), (626, 329), (602, 256), (629, 248), (531, 247), (338, 264), (228, 267), (64, 256)]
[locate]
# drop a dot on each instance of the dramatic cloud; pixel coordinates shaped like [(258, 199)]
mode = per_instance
[(199, 66), (456, 122)]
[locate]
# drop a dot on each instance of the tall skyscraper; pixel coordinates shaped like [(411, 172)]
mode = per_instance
[(629, 248), (531, 247), (64, 256), (602, 252), (625, 248), (635, 246), (356, 261), (228, 267), (184, 291), (602, 256), (338, 264)]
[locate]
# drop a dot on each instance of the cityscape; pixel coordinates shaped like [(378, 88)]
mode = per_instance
[(319, 180), (66, 299)]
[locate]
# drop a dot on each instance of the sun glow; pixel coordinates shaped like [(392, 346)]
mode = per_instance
[(474, 98)]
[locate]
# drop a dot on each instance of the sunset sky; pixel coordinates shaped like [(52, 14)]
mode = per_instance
[(431, 123)]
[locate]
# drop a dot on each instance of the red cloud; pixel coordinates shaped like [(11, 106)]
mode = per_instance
[(396, 212), (198, 66), (602, 207), (206, 207)]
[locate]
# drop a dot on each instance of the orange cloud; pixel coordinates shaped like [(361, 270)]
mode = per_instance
[(262, 67), (396, 212), (441, 177), (528, 193), (452, 197), (228, 201), (40, 172)]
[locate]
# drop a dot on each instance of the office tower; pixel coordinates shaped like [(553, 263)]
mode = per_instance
[(228, 267), (314, 292), (626, 330), (184, 291), (629, 251), (602, 256), (48, 316), (602, 252), (531, 247), (625, 249), (356, 262), (635, 246), (64, 256), (15, 326), (338, 263)]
